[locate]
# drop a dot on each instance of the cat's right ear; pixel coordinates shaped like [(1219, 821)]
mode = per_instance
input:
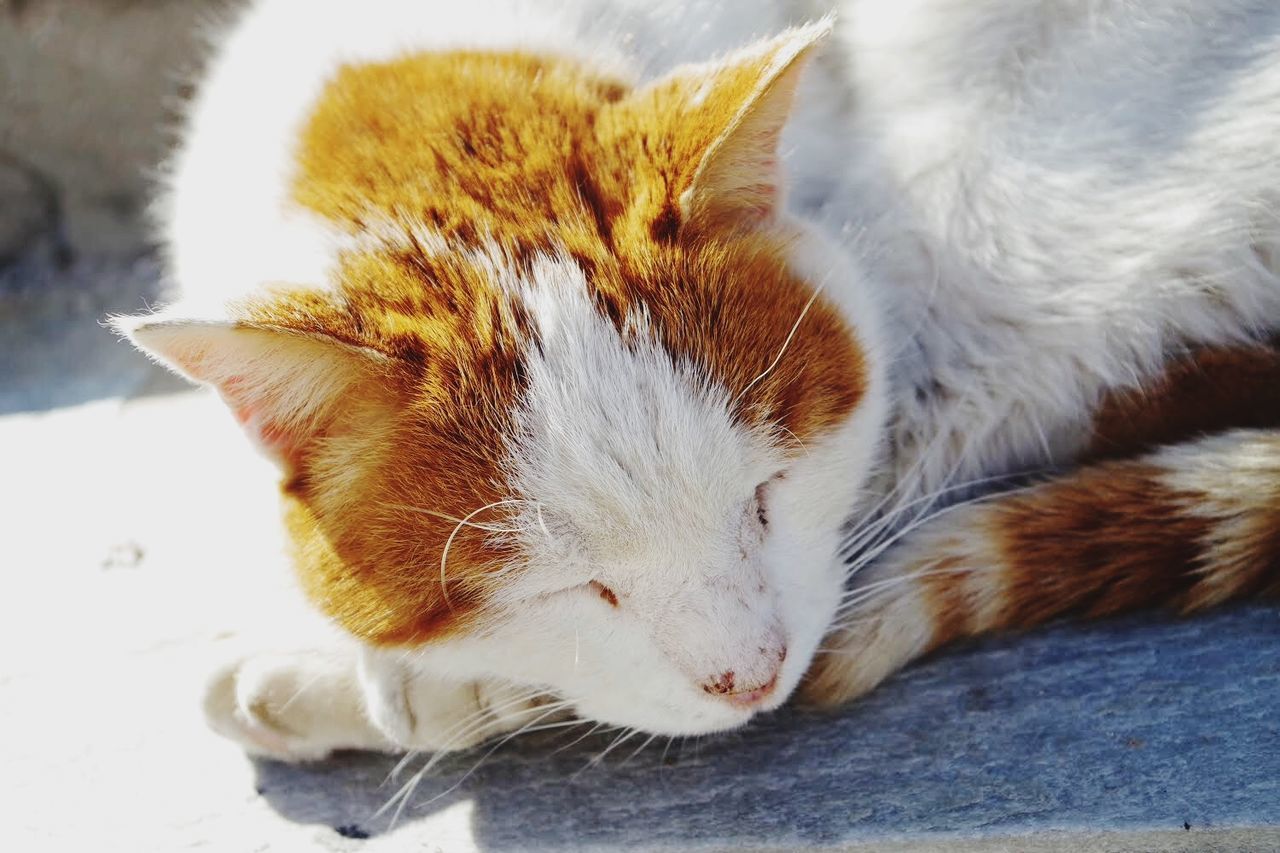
[(718, 127), (286, 387)]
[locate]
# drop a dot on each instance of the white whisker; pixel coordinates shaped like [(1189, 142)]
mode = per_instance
[(462, 730), (785, 344), (444, 555), (595, 728), (622, 738), (640, 748), (406, 791), (298, 693), (489, 528)]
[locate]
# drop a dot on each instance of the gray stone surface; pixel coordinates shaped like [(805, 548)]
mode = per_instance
[(1142, 724), (54, 350)]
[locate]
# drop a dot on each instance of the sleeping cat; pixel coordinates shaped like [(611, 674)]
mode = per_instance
[(650, 361)]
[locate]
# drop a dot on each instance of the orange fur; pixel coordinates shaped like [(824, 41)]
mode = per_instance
[(944, 587), (421, 449), (1128, 538), (1105, 540), (1208, 389)]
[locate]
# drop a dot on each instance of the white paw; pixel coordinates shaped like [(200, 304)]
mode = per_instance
[(301, 706), (421, 711), (293, 707)]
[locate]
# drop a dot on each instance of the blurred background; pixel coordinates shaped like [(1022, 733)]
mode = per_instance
[(90, 93)]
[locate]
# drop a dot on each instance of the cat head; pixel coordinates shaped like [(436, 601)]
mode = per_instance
[(578, 406)]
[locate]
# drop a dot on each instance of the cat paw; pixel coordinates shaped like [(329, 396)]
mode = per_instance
[(302, 706), (290, 706), (420, 711)]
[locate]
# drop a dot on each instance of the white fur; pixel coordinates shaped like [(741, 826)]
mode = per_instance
[(1020, 205), (1062, 192)]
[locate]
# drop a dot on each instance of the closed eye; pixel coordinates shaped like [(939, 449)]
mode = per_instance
[(590, 588), (762, 507), (604, 592)]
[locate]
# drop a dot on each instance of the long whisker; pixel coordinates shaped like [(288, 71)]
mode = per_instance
[(785, 344), (463, 729), (541, 522), (301, 689), (902, 482), (407, 790), (491, 528), (870, 532), (869, 556), (448, 543), (794, 438), (872, 590), (899, 534), (853, 617), (401, 765), (666, 749), (639, 749), (595, 728), (622, 738), (485, 717)]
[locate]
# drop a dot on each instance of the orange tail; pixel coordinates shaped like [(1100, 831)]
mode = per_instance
[(1188, 526)]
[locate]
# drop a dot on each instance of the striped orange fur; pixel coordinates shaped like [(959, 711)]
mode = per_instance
[(1205, 390), (1187, 527)]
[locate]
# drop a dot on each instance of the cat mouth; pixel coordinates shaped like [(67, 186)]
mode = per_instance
[(754, 699)]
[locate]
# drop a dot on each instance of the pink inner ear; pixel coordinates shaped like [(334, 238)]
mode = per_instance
[(278, 385), (271, 436), (764, 208), (767, 192)]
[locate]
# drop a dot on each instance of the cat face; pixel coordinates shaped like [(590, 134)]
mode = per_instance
[(571, 410)]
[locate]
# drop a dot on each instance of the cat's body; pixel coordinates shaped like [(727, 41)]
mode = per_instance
[(1009, 218)]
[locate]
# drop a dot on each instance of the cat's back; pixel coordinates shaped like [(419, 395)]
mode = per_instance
[(1057, 142), (1069, 190)]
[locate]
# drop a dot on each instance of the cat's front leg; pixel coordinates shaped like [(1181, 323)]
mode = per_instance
[(418, 710), (303, 705)]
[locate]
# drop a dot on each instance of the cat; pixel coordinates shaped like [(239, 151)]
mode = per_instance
[(653, 362)]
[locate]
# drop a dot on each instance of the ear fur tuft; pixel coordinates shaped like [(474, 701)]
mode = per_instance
[(283, 386), (738, 177)]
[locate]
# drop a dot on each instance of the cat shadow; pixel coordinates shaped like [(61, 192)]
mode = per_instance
[(1095, 726)]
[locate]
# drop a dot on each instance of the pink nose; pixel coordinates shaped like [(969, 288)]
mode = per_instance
[(746, 692)]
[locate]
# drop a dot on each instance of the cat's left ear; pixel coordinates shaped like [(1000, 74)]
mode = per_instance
[(287, 388), (729, 116)]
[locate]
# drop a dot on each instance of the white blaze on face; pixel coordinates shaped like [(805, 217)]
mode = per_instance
[(637, 452), (636, 477)]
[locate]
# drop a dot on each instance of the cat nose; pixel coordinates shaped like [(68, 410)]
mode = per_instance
[(746, 690), (726, 685)]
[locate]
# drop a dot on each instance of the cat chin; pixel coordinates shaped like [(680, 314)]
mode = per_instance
[(655, 698), (678, 719)]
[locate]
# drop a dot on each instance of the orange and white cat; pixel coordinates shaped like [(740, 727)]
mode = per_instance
[(616, 359)]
